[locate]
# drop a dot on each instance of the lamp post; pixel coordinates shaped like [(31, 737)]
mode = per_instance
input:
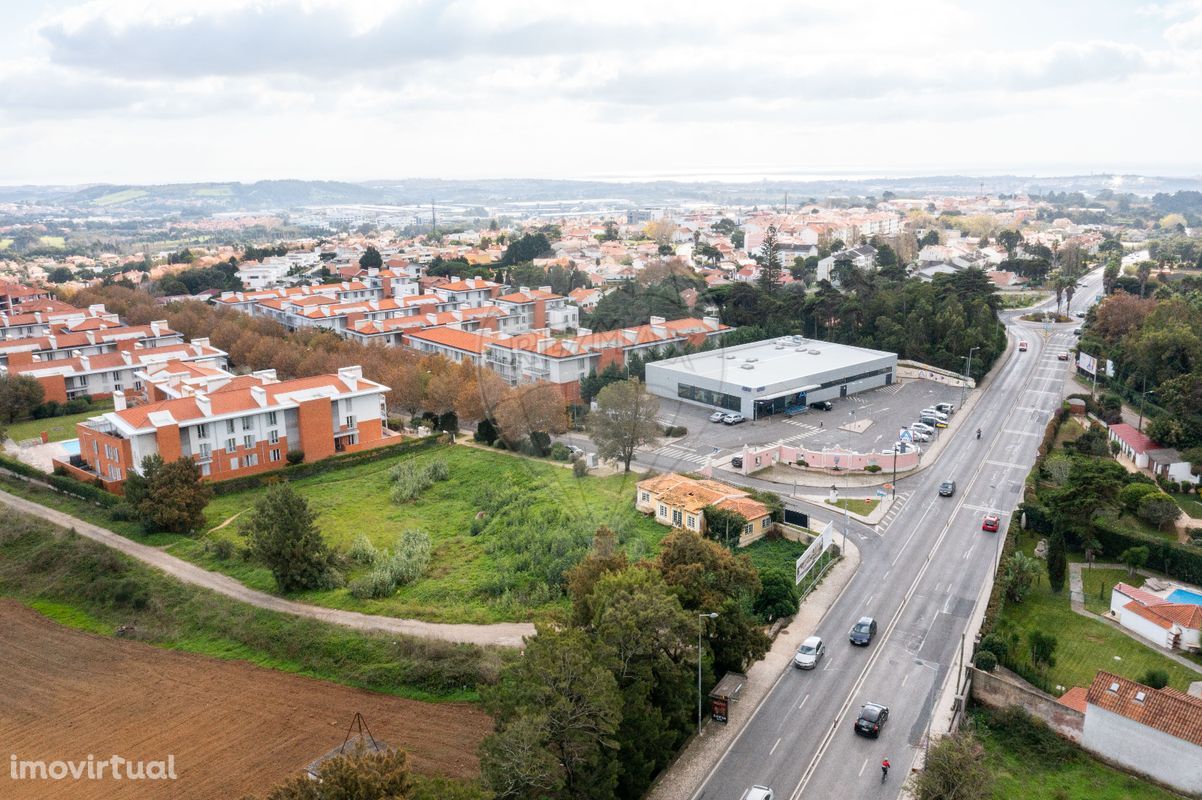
[(701, 618), (967, 375), (1143, 398)]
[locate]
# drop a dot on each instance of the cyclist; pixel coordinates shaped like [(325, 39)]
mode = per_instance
[(884, 770), (978, 433)]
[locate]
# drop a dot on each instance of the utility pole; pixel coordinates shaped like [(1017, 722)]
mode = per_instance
[(1143, 398), (701, 618), (967, 377), (433, 219)]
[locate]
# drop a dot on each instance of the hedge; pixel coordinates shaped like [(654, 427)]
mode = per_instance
[(307, 469), (62, 483), (1174, 559)]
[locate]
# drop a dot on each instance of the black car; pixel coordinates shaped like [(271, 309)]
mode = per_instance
[(947, 488), (872, 718), (823, 405), (863, 631)]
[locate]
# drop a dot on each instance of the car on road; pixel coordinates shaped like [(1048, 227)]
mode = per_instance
[(810, 653), (823, 405), (1076, 331), (991, 523), (1022, 346), (872, 718), (945, 408), (862, 632), (947, 488), (733, 419), (1062, 357), (1080, 315), (758, 793), (717, 416)]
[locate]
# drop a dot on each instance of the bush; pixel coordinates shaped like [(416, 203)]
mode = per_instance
[(295, 456), (995, 644), (362, 551), (411, 557), (1156, 678), (374, 585), (223, 549), (540, 443), (1131, 494), (873, 468), (486, 432), (675, 431), (438, 470), (560, 452), (778, 596), (985, 661), (579, 468)]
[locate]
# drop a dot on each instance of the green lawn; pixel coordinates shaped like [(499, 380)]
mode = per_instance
[(862, 506), (1097, 583), (770, 554), (5, 244), (1084, 646), (123, 196), (1022, 299), (501, 572), (59, 428), (53, 241), (84, 585), (1189, 503), (1026, 770)]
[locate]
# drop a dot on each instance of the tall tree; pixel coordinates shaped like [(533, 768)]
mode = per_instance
[(625, 419), (769, 261), (371, 258), (174, 496), (1057, 561), (19, 396), (283, 534)]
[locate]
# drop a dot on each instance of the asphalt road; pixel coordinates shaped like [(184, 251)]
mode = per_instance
[(920, 578)]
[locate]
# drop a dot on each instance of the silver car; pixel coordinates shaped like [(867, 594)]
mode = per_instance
[(810, 653)]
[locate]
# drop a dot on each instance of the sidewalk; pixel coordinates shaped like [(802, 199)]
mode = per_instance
[(682, 778), (877, 514)]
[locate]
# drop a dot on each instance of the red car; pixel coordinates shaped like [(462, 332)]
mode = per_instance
[(991, 523)]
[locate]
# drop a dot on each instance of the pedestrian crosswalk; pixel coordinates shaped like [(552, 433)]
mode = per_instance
[(808, 429), (679, 453), (898, 504)]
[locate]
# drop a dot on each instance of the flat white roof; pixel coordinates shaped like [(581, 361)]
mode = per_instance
[(774, 361)]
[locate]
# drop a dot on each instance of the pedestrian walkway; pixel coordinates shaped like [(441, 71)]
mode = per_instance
[(505, 634), (895, 508), (678, 453)]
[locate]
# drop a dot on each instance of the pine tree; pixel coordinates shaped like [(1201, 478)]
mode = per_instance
[(1057, 561), (769, 260)]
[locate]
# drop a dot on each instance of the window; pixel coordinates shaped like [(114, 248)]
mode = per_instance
[(234, 463), (709, 397), (248, 441), (231, 445), (271, 418), (275, 454), (663, 510), (645, 496), (247, 423), (692, 522), (767, 521), (95, 447), (229, 426), (350, 421), (748, 528), (202, 430), (205, 469), (252, 460), (677, 518), (206, 452), (273, 436)]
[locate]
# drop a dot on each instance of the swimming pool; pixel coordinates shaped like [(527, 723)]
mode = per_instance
[(72, 448), (1185, 596)]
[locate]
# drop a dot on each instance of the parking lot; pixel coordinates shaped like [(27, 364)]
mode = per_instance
[(863, 422)]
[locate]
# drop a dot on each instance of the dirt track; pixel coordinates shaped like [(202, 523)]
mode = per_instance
[(233, 728)]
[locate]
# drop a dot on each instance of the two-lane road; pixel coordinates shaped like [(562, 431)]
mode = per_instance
[(920, 580)]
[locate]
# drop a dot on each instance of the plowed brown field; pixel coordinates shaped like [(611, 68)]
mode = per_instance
[(233, 728)]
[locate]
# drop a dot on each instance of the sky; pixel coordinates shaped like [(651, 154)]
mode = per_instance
[(159, 91)]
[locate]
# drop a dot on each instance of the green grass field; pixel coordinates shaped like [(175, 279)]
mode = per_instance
[(1084, 646), (58, 428), (115, 198), (213, 191), (1029, 767), (85, 585), (1022, 299), (53, 241), (856, 505), (1190, 504), (5, 244)]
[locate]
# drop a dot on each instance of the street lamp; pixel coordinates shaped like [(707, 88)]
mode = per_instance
[(1143, 398), (701, 618), (967, 375)]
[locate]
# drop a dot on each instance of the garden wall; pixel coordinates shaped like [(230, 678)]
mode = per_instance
[(998, 690)]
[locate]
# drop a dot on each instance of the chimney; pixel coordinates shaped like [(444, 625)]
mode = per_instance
[(265, 375), (52, 340), (119, 401), (85, 363), (203, 403), (203, 342), (91, 337), (259, 395), (524, 289), (351, 376), (127, 357), (657, 321), (711, 322), (158, 326)]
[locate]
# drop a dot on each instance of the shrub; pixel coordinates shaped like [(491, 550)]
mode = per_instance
[(540, 442), (995, 644), (362, 551), (409, 486), (486, 432), (985, 661), (560, 452), (579, 468), (223, 549), (675, 431), (778, 596), (374, 585), (1156, 678), (873, 468), (295, 456), (1131, 494), (411, 558), (438, 470)]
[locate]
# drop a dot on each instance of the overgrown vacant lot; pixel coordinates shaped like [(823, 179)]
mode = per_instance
[(503, 529)]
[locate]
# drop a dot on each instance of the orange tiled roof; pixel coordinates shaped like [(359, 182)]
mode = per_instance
[(450, 337), (1148, 614), (1165, 710), (1074, 698)]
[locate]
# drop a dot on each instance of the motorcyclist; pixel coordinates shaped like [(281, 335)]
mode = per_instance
[(978, 433)]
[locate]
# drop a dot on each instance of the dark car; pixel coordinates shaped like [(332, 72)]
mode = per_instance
[(737, 462), (863, 631), (823, 405), (947, 488), (872, 718)]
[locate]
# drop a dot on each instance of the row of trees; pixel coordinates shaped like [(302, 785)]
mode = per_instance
[(597, 708)]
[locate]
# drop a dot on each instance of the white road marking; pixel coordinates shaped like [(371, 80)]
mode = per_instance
[(905, 678), (1006, 464), (773, 750), (803, 701), (863, 766)]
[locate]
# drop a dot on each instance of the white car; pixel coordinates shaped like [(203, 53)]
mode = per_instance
[(733, 419), (758, 793), (919, 436), (922, 427), (810, 653), (717, 416), (945, 408), (934, 412)]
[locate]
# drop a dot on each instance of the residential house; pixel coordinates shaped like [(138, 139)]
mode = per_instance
[(1176, 626), (14, 295), (244, 426), (527, 309), (679, 502), (1154, 732), (862, 258), (67, 345), (1133, 444), (1168, 463), (1147, 455)]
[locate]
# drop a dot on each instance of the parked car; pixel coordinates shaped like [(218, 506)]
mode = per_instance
[(922, 427), (823, 405), (717, 416), (872, 718), (575, 451), (1080, 315), (1062, 357), (919, 436), (737, 462), (945, 408), (1076, 331), (947, 488), (863, 631), (934, 412), (933, 422), (991, 523), (758, 793), (733, 419), (1022, 346), (810, 653)]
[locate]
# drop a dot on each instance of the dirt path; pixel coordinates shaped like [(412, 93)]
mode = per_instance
[(505, 634), (232, 727)]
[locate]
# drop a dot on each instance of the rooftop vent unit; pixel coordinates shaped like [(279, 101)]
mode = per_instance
[(1140, 697), (1114, 687), (815, 352), (752, 360), (747, 366)]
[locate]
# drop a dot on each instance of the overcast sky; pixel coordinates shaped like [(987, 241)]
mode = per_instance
[(153, 91)]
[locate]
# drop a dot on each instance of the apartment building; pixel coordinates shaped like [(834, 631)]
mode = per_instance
[(113, 373), (471, 292), (529, 309), (68, 345), (236, 426), (14, 295), (56, 318)]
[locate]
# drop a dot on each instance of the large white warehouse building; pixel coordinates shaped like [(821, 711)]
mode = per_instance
[(771, 376)]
